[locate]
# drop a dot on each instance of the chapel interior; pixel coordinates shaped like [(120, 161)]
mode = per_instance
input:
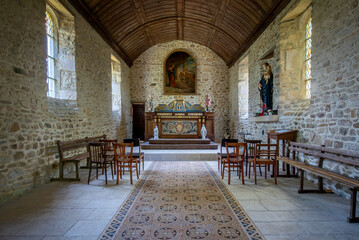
[(181, 82)]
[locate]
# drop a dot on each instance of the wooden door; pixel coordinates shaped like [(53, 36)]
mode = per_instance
[(138, 123)]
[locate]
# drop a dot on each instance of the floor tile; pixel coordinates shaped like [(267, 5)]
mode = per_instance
[(86, 228)]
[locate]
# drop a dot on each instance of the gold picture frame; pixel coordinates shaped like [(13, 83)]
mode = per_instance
[(180, 73)]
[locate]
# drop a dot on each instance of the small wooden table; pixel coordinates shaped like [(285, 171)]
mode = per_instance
[(285, 135)]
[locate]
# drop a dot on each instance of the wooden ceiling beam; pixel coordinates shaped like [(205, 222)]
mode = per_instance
[(217, 20), (142, 20), (82, 8), (194, 20), (180, 16), (266, 21)]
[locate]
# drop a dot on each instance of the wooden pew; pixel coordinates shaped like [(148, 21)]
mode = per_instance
[(73, 152), (326, 154)]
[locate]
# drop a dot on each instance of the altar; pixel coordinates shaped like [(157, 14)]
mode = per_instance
[(179, 120)]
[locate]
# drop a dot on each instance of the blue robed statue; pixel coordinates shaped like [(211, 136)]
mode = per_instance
[(265, 87)]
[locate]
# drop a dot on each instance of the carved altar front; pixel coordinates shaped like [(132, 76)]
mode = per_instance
[(179, 119)]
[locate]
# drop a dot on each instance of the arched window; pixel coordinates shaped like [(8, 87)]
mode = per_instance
[(50, 59), (308, 58)]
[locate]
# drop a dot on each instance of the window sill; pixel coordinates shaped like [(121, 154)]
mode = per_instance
[(61, 106), (268, 118)]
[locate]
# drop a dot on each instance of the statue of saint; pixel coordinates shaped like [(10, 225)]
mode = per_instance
[(203, 132), (208, 103), (150, 103), (155, 133), (265, 87)]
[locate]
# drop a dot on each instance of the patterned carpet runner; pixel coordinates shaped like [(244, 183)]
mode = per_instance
[(180, 200)]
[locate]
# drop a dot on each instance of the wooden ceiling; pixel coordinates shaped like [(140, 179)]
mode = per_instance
[(227, 27)]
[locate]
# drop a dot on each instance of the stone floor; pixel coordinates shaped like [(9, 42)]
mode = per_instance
[(75, 210)]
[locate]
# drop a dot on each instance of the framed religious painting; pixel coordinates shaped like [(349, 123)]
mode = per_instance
[(180, 73)]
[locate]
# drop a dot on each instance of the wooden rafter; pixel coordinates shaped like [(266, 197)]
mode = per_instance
[(194, 20), (180, 16), (270, 16), (227, 27), (217, 20), (142, 19), (82, 8)]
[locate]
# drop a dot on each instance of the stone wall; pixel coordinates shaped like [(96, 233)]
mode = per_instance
[(212, 78), (30, 121), (331, 116)]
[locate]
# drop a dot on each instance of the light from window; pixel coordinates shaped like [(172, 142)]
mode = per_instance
[(50, 59), (308, 58)]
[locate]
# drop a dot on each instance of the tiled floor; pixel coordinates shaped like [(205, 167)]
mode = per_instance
[(75, 210)]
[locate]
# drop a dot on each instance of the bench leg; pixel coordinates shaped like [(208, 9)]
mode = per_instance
[(301, 185), (61, 169), (77, 170), (353, 206), (320, 185)]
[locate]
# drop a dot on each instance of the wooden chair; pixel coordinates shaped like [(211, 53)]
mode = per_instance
[(265, 154), (234, 158), (222, 154), (140, 155), (251, 147), (97, 154), (125, 159), (110, 154)]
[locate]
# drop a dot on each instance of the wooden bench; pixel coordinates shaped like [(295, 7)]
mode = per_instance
[(325, 154), (73, 152)]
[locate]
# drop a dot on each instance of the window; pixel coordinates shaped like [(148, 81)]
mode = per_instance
[(50, 59), (60, 60), (116, 84), (308, 58)]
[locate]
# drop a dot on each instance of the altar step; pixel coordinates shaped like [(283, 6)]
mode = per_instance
[(180, 141), (181, 155), (179, 146), (166, 149)]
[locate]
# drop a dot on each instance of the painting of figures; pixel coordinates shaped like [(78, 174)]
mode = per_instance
[(180, 74)]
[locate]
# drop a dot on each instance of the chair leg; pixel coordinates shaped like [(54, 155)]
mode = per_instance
[(118, 171), (265, 172), (242, 171), (275, 174), (229, 173), (249, 170), (131, 174), (96, 170), (121, 167), (255, 172), (218, 161), (223, 166), (138, 170), (112, 169), (246, 166), (260, 169), (105, 168), (88, 181), (143, 163)]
